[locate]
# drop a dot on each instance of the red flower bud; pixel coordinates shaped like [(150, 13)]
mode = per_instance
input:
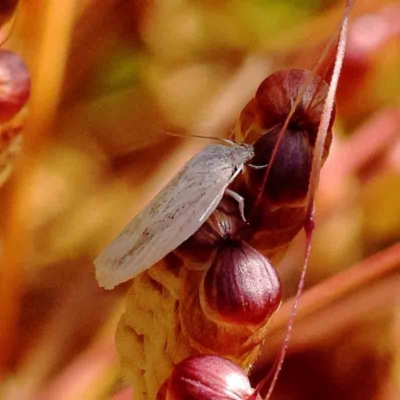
[(208, 377), (241, 286), (15, 85)]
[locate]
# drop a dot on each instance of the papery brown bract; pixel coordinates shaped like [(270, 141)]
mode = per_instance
[(208, 377), (241, 286), (15, 84), (277, 93)]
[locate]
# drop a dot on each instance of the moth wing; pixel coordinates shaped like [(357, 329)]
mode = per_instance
[(172, 217)]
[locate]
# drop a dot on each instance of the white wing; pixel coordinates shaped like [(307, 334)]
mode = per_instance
[(172, 216)]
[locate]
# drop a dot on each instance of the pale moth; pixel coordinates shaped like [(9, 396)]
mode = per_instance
[(175, 214)]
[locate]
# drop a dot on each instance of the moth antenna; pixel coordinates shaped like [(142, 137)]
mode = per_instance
[(313, 183), (122, 151), (176, 134)]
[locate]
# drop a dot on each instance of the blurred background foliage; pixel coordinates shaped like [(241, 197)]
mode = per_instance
[(110, 80)]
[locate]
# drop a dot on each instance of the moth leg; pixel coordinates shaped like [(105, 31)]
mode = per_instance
[(236, 196), (240, 201)]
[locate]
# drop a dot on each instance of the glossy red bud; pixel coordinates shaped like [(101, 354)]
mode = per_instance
[(15, 84), (241, 286), (207, 377)]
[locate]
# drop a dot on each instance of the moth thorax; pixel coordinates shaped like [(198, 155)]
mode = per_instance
[(241, 154)]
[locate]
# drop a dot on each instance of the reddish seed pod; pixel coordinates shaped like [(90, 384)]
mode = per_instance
[(241, 286), (287, 183), (208, 377), (15, 84)]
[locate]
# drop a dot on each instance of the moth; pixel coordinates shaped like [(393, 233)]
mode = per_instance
[(175, 214)]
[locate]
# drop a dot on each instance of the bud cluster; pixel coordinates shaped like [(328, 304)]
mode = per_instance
[(237, 289)]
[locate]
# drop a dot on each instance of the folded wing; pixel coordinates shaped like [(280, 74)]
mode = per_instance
[(172, 216)]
